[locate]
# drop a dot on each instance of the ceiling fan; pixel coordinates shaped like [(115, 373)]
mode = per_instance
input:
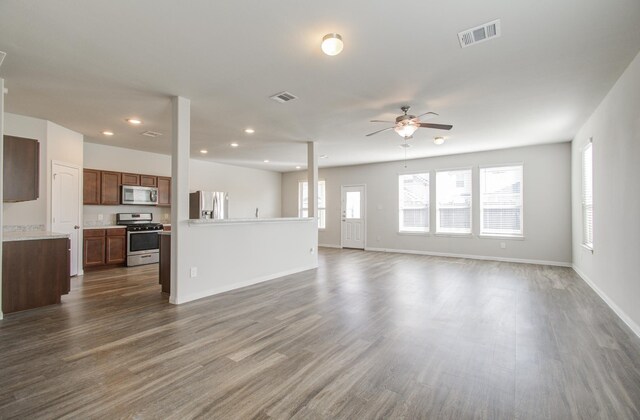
[(406, 124)]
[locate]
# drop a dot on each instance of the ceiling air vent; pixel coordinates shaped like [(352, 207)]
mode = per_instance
[(151, 133), (283, 97), (2, 56), (479, 33)]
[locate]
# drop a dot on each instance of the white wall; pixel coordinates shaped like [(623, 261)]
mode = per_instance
[(547, 204), (247, 188), (613, 269)]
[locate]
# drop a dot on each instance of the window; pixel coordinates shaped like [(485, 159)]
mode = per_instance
[(414, 202), (453, 201), (501, 201), (587, 196), (303, 202)]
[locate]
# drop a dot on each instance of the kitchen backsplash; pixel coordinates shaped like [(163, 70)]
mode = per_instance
[(92, 214)]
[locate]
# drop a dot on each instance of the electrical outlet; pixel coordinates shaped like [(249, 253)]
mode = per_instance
[(503, 245), (166, 216), (100, 216), (311, 250), (194, 272)]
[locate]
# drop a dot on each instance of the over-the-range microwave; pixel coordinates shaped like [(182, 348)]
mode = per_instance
[(146, 196)]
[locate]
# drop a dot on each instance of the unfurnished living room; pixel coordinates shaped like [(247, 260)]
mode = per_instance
[(320, 210)]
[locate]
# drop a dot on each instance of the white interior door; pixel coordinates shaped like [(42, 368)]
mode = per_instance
[(353, 216), (65, 206)]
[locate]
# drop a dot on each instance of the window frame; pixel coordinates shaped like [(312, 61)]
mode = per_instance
[(583, 204), (481, 234), (301, 209), (471, 203), (399, 208)]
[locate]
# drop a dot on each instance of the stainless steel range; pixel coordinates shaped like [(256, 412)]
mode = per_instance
[(142, 238)]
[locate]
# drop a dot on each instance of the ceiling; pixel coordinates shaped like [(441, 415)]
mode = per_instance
[(88, 65)]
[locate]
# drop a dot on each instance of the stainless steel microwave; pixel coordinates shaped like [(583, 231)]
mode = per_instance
[(146, 196)]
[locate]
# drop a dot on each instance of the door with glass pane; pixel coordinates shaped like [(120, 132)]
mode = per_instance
[(353, 216)]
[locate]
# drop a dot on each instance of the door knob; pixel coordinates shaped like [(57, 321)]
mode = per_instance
[(76, 227)]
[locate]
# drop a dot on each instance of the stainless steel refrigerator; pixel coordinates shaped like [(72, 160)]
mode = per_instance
[(208, 205)]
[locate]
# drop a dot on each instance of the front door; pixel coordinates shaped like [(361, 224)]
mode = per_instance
[(65, 206), (353, 216)]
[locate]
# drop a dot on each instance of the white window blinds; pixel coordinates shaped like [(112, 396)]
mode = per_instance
[(453, 201), (414, 202), (303, 202), (587, 196), (501, 201)]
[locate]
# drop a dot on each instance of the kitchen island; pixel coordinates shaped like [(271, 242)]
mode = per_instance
[(221, 255), (35, 269)]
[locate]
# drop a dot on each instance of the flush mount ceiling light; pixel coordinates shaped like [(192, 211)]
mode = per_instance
[(107, 133), (134, 121), (249, 130), (332, 44), (266, 161), (234, 145), (204, 151), (297, 167), (438, 140)]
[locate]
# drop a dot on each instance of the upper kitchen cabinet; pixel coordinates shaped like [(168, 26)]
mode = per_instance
[(131, 179), (21, 169), (91, 183), (148, 181), (110, 188), (164, 191)]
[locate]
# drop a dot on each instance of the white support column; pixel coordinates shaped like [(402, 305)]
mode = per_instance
[(1, 180), (181, 144), (312, 178)]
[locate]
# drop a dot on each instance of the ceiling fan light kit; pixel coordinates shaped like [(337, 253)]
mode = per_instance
[(406, 124), (332, 44)]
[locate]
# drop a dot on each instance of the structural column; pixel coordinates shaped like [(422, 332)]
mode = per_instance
[(181, 144), (312, 179)]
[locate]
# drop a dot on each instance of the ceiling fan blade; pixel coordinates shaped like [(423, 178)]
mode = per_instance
[(427, 113), (436, 126), (379, 131), (390, 122)]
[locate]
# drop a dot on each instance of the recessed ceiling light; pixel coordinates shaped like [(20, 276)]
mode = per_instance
[(134, 121), (234, 145), (204, 151), (249, 130), (438, 140), (266, 161), (107, 133), (297, 167), (332, 44)]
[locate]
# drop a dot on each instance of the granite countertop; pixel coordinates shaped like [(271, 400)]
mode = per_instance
[(31, 235), (105, 227), (248, 220)]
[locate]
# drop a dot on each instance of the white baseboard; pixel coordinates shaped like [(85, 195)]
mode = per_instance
[(621, 314), (226, 288), (329, 246), (471, 257)]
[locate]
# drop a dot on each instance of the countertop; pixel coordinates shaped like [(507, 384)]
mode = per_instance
[(248, 220), (115, 226), (32, 235)]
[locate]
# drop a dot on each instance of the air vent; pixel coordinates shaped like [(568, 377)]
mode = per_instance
[(283, 97), (151, 133), (2, 56), (479, 33)]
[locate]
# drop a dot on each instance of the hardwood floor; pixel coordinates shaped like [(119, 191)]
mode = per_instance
[(366, 335)]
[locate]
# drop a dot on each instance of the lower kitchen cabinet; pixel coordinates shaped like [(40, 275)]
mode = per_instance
[(34, 273), (103, 247)]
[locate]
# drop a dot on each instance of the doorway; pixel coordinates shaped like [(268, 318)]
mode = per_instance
[(66, 206), (353, 225)]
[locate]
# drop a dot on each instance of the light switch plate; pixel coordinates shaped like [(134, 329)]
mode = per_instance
[(194, 272)]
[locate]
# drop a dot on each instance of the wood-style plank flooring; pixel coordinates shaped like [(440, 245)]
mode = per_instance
[(366, 335)]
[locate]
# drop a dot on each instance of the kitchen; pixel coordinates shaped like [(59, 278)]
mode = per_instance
[(103, 169)]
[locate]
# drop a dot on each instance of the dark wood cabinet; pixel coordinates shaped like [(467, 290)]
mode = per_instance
[(110, 188), (164, 268), (21, 169), (91, 186), (104, 247), (164, 191), (148, 181), (130, 179), (34, 273), (116, 246)]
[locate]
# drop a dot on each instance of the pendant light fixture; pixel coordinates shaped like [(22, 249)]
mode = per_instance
[(332, 44)]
